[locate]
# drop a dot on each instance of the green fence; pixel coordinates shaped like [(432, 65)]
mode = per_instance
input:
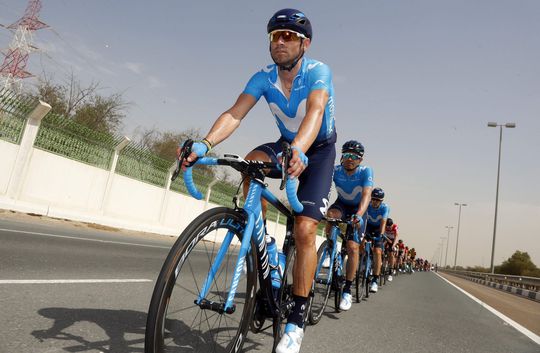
[(138, 163), (65, 137), (14, 109)]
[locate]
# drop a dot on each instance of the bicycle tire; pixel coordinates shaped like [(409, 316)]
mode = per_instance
[(285, 296), (338, 288), (359, 288), (317, 307), (166, 333)]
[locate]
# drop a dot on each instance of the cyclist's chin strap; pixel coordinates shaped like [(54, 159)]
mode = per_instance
[(295, 61)]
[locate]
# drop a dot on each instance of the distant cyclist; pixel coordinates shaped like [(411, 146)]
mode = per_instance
[(300, 94), (377, 214), (353, 185), (391, 232)]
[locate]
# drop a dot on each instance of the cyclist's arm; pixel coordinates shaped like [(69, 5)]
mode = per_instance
[(227, 122), (309, 128), (230, 119), (383, 226), (364, 201)]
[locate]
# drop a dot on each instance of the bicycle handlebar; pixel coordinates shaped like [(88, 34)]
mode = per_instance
[(290, 183)]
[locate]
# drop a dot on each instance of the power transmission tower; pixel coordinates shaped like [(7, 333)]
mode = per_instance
[(13, 69)]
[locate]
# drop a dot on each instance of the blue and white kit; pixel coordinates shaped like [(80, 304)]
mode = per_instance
[(349, 189), (375, 217), (315, 181)]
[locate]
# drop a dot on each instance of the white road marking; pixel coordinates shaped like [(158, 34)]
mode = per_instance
[(78, 238), (67, 281), (505, 318)]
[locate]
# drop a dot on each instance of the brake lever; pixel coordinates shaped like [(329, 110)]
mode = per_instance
[(184, 153), (285, 159)]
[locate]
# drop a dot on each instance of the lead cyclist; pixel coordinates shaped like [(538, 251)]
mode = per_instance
[(300, 94)]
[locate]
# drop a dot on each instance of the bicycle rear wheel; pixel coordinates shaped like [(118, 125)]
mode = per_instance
[(175, 323), (321, 284)]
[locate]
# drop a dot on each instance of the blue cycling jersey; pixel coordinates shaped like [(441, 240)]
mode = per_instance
[(376, 215), (349, 187), (289, 114)]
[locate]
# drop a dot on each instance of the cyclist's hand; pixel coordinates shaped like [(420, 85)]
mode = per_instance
[(298, 163), (357, 220), (198, 149)]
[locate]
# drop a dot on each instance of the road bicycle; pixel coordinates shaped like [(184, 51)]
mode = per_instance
[(206, 298), (330, 271)]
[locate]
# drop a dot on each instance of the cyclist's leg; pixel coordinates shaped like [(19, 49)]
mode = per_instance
[(377, 259), (313, 190), (334, 211), (266, 153)]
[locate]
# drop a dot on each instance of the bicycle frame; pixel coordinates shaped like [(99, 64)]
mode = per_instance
[(254, 229)]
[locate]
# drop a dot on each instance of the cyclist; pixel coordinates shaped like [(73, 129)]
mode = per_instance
[(377, 214), (400, 254), (300, 94), (354, 184), (412, 256), (391, 232)]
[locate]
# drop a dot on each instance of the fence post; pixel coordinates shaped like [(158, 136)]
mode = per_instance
[(110, 177), (165, 193), (208, 192), (24, 155), (277, 222)]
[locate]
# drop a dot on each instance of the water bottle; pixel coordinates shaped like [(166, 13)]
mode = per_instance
[(274, 262)]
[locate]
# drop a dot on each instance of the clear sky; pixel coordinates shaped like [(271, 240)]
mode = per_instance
[(416, 81)]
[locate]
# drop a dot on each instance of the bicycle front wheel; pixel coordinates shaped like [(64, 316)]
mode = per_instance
[(360, 288), (176, 323), (321, 284)]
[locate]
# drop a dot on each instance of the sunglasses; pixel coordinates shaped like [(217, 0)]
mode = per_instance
[(352, 156), (287, 36)]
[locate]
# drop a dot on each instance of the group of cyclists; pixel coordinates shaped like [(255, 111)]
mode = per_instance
[(300, 94)]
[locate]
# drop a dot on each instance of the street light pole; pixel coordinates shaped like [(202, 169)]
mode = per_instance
[(447, 244), (511, 126), (442, 247), (457, 237)]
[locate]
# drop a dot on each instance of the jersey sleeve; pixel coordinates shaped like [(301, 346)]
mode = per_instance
[(320, 77), (368, 177), (386, 212), (257, 85)]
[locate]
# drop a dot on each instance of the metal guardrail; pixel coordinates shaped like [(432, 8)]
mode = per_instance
[(523, 282)]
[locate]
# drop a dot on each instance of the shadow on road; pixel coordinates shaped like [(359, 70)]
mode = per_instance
[(116, 324)]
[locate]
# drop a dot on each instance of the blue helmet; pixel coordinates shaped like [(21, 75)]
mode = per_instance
[(377, 194), (353, 146), (292, 19)]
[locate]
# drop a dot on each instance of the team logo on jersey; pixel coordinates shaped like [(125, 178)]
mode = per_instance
[(349, 196), (291, 124), (325, 207)]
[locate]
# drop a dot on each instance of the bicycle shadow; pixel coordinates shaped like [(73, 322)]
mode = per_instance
[(117, 324)]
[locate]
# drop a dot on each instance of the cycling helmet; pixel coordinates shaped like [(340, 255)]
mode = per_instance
[(389, 222), (292, 19), (400, 241), (377, 194), (353, 146)]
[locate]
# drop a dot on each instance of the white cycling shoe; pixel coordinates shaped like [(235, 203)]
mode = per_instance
[(390, 278), (326, 262), (373, 288), (291, 340), (346, 302)]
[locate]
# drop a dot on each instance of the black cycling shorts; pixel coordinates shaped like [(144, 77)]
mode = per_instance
[(315, 180)]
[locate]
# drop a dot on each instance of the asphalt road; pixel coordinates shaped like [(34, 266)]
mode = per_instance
[(416, 313)]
